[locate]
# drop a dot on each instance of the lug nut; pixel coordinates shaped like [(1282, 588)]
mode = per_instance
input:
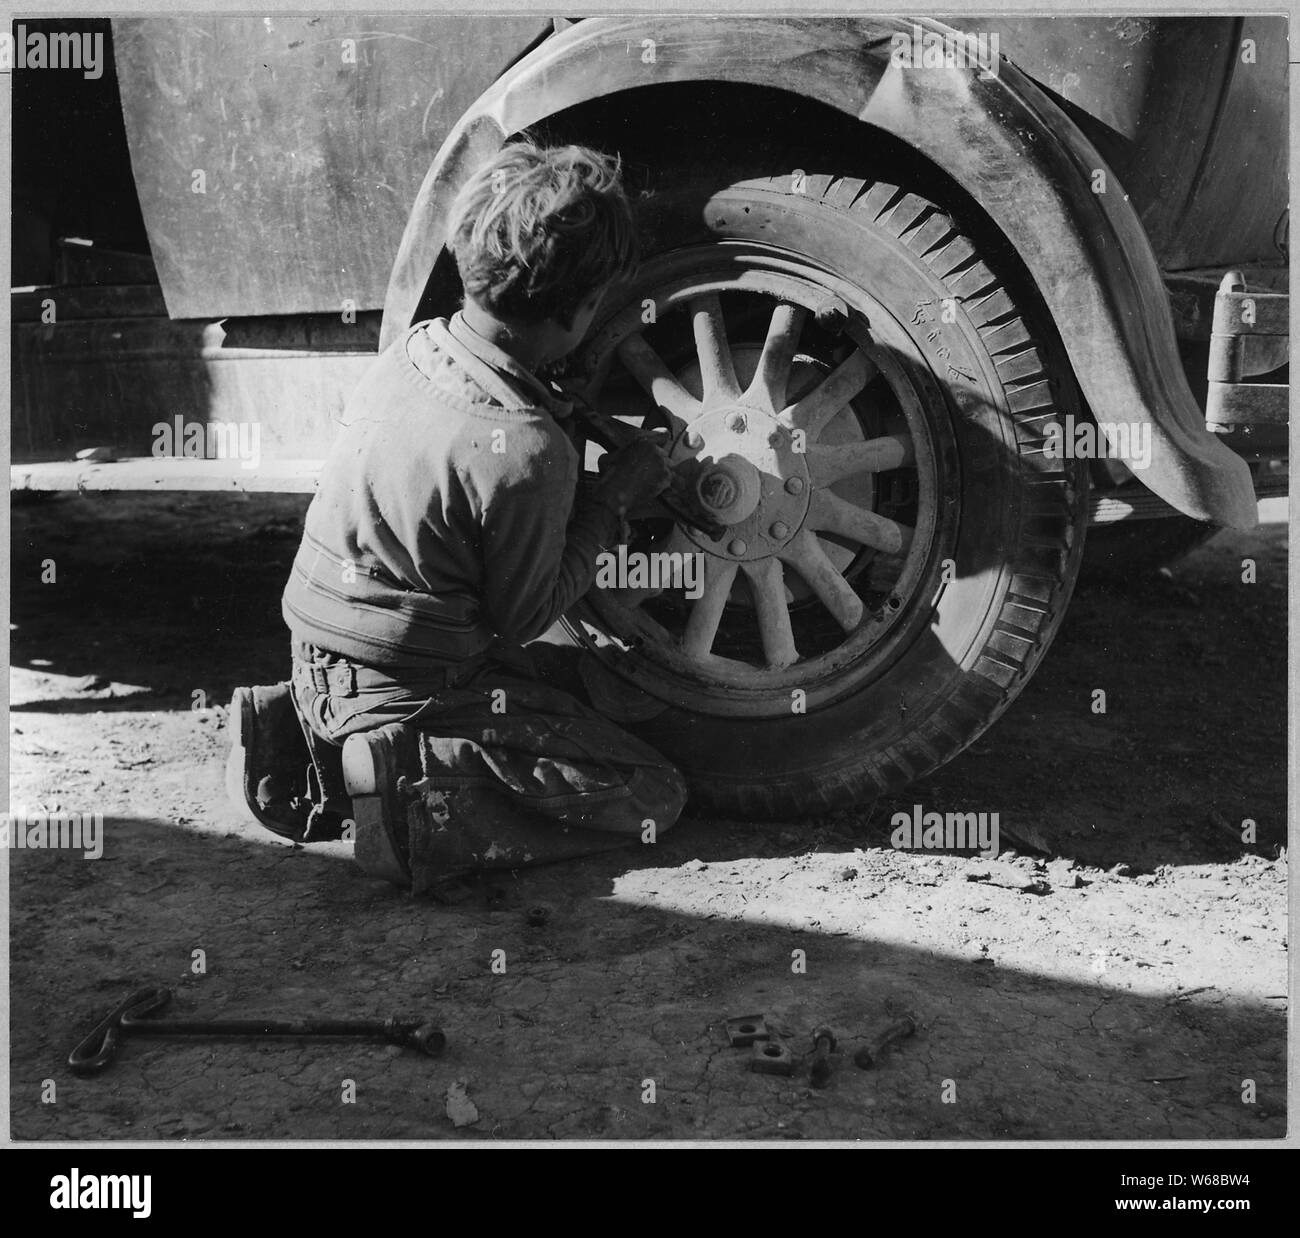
[(794, 485), (737, 423), (737, 547), (780, 530), (832, 315)]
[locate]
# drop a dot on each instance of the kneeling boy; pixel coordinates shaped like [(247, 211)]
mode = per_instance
[(448, 531)]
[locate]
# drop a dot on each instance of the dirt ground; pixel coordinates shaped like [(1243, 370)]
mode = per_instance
[(1135, 990)]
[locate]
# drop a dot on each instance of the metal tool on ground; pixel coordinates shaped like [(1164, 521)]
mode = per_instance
[(870, 1053), (611, 434), (771, 1057), (823, 1047), (746, 1029), (130, 1018)]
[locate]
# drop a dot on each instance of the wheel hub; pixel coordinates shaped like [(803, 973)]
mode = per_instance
[(729, 489), (750, 479)]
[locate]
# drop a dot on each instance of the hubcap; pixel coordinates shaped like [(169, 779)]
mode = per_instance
[(745, 460)]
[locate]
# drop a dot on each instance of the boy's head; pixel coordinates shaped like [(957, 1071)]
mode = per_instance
[(539, 233)]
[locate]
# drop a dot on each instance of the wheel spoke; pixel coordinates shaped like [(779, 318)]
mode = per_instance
[(767, 582), (717, 368), (840, 386), (807, 557), (659, 382), (768, 388), (828, 513), (706, 613), (676, 542), (828, 464)]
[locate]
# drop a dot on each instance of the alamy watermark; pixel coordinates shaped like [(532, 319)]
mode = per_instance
[(128, 1192), (945, 831), (55, 50), (1129, 441), (954, 49), (209, 440), (655, 569), (48, 831)]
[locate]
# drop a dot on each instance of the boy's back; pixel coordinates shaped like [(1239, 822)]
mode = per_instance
[(447, 532), (442, 518)]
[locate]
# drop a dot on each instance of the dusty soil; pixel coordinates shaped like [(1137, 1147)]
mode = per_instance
[(1133, 996)]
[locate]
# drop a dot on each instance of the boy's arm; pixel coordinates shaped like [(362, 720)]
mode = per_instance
[(540, 546), (537, 562)]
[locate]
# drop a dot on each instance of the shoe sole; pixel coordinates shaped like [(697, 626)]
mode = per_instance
[(237, 760), (241, 720)]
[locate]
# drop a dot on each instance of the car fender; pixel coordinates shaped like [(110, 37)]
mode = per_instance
[(995, 133)]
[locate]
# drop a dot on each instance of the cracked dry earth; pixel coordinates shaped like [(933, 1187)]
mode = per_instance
[(1131, 997)]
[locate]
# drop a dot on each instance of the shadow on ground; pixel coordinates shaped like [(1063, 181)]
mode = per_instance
[(611, 992), (1143, 1002)]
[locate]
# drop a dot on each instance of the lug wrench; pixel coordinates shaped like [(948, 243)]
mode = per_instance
[(677, 500), (100, 1046)]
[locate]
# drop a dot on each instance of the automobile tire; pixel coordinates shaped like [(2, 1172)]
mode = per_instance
[(851, 638)]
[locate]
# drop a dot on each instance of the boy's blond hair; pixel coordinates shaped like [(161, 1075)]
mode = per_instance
[(537, 230)]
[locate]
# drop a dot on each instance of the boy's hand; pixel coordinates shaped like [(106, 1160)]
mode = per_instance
[(632, 475)]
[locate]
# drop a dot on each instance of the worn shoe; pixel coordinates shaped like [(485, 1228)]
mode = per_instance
[(266, 772), (373, 763)]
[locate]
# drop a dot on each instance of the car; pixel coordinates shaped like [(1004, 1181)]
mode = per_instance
[(924, 307)]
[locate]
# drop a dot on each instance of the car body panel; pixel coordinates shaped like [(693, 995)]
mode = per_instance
[(312, 135), (997, 135), (1181, 108)]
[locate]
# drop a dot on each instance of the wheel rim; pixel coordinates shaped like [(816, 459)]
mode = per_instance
[(808, 423)]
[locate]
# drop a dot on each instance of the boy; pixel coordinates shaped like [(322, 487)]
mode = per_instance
[(448, 532)]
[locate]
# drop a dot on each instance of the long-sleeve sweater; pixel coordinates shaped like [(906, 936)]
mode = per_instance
[(446, 512)]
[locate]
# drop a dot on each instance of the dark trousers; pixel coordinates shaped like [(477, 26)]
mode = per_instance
[(507, 727)]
